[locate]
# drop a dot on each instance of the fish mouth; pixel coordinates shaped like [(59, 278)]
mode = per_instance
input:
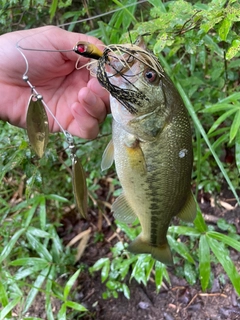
[(119, 68)]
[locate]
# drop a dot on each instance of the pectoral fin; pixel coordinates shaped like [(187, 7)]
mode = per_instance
[(161, 253), (108, 156), (189, 210), (122, 211)]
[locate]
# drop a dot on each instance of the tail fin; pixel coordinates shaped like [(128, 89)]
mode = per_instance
[(161, 253)]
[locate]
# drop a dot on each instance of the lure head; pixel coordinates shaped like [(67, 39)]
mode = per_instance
[(88, 50)]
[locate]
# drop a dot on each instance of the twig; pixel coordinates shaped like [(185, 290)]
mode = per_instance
[(218, 294)]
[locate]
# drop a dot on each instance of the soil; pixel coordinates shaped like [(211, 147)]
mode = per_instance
[(178, 300)]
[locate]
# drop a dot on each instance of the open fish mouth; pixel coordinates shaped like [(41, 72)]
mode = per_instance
[(121, 68)]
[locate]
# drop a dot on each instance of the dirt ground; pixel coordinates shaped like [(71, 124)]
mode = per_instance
[(176, 301)]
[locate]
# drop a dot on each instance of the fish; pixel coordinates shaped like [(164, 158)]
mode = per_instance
[(151, 146)]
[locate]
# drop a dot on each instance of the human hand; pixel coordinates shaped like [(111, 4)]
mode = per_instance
[(76, 98)]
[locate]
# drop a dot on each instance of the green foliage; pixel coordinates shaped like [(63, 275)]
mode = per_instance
[(140, 267), (31, 257), (198, 44)]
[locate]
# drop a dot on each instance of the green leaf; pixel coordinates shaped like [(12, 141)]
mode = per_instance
[(126, 10), (139, 270), (233, 50), (112, 284), (180, 248), (49, 285), (159, 269), (225, 239), (223, 257), (182, 230), (224, 29), (237, 150), (57, 247), (234, 97), (99, 264), (30, 213), (62, 312), (217, 107), (38, 232), (42, 212), (38, 247), (70, 283), (53, 8), (213, 45), (26, 262), (235, 127), (105, 271), (222, 118), (158, 4), (225, 226), (13, 162), (35, 289), (75, 306), (190, 273), (6, 310), (204, 262), (56, 198), (130, 232), (9, 247), (3, 295), (126, 291)]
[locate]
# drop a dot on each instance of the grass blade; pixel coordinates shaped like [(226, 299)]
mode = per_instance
[(75, 306), (225, 239), (223, 257), (8, 248), (204, 262), (36, 286), (70, 283), (4, 313), (235, 127), (237, 151), (38, 247), (180, 248)]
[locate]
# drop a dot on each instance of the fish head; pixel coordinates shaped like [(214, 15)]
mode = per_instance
[(137, 84)]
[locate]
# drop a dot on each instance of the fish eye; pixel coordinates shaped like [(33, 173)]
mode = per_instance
[(150, 75)]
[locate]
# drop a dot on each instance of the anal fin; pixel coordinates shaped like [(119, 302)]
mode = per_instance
[(122, 210)]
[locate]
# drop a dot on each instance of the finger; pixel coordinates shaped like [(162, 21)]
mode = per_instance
[(99, 91), (85, 126), (93, 104)]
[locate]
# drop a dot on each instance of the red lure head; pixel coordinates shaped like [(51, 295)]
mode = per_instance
[(88, 50)]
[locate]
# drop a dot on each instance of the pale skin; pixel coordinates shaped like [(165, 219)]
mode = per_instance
[(75, 97)]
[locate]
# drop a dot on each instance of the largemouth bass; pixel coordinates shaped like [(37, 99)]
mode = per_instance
[(151, 145)]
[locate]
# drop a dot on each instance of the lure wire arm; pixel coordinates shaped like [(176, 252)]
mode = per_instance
[(38, 136), (68, 136)]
